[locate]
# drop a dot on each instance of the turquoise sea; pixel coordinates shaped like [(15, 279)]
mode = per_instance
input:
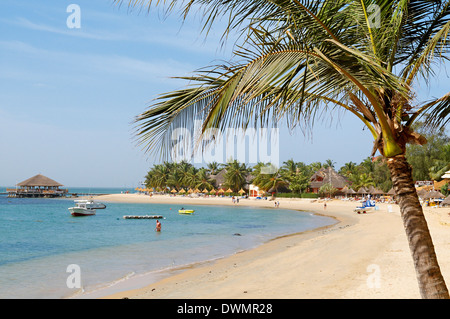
[(39, 240)]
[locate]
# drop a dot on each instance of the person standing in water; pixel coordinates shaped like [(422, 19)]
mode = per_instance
[(158, 226)]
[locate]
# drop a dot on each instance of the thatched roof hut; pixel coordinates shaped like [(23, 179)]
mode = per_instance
[(327, 176), (433, 194), (39, 181), (37, 186)]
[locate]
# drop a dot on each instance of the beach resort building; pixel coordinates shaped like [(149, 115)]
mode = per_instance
[(37, 186), (327, 176)]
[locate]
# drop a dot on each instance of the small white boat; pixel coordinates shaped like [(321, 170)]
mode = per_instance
[(85, 207), (90, 203)]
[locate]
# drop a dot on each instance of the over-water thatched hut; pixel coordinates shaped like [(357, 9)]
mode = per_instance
[(37, 186)]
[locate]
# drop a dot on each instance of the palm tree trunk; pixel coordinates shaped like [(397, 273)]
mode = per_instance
[(431, 282)]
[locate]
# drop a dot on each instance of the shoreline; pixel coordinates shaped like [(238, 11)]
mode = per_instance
[(360, 256)]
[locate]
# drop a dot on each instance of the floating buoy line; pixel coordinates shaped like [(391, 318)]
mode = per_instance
[(143, 217)]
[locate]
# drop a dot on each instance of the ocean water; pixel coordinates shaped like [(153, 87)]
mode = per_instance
[(40, 240)]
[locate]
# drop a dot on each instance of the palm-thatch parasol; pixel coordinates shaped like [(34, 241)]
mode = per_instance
[(229, 190), (182, 191), (433, 194), (241, 191), (173, 190), (362, 190), (220, 191), (376, 191), (205, 190), (446, 201)]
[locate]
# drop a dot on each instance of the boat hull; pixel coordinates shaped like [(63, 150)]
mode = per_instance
[(75, 211)]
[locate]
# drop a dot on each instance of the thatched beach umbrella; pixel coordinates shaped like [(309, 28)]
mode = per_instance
[(220, 191), (241, 191), (173, 190), (204, 190), (433, 194), (446, 201), (182, 191), (376, 191), (229, 190), (190, 191)]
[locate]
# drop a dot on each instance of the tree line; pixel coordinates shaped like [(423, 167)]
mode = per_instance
[(429, 162)]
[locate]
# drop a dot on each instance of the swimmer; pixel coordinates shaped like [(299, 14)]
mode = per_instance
[(158, 226)]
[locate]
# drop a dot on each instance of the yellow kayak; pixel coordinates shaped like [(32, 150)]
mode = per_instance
[(186, 211)]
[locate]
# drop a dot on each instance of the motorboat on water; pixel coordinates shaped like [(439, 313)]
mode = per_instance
[(90, 203), (81, 209), (186, 211), (85, 207)]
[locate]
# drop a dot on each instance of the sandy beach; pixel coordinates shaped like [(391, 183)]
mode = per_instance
[(361, 256)]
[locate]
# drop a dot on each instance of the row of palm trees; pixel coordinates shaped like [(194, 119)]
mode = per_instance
[(290, 177)]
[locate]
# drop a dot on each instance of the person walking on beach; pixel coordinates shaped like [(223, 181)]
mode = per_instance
[(158, 226)]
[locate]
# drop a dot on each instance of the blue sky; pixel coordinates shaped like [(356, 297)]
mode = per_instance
[(68, 96)]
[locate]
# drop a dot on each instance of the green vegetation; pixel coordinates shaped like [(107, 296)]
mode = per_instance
[(292, 179)]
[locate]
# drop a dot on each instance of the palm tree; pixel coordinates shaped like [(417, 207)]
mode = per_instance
[(290, 166), (362, 180), (271, 182), (329, 163), (348, 169), (298, 60), (213, 168), (203, 180), (236, 174)]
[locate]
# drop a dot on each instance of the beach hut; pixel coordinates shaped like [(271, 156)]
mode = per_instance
[(327, 176), (38, 186)]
